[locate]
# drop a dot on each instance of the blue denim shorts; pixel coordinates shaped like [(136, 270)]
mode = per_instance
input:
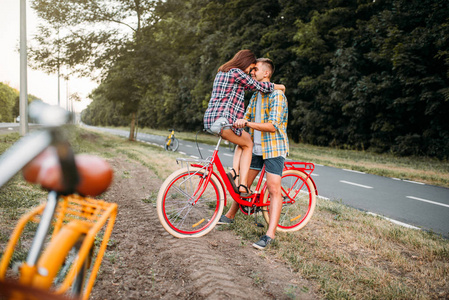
[(273, 165)]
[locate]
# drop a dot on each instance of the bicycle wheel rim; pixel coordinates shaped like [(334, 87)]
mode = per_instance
[(299, 201), (175, 144), (80, 278), (179, 211), (77, 286)]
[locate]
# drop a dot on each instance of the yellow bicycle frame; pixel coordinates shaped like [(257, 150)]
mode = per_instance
[(75, 217), (170, 137)]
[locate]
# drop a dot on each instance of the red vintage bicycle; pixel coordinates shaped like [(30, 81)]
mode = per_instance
[(191, 200)]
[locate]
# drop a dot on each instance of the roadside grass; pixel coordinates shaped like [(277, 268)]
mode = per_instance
[(347, 253), (422, 169), (352, 255)]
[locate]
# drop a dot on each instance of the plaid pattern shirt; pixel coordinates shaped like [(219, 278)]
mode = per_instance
[(274, 109), (227, 99)]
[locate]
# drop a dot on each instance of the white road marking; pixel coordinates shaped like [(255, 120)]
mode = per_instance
[(190, 146), (356, 184), (227, 154), (358, 172), (193, 156), (414, 182), (210, 150), (313, 174), (428, 201), (183, 153), (409, 181), (395, 221)]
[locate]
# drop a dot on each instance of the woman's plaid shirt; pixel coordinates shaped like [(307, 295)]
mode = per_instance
[(274, 109), (227, 99)]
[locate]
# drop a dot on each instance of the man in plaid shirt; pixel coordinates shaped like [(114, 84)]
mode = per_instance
[(266, 117)]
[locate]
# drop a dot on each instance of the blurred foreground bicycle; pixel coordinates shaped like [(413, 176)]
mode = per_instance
[(62, 259)]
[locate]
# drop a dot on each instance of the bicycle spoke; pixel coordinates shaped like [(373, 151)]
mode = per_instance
[(298, 201), (187, 208)]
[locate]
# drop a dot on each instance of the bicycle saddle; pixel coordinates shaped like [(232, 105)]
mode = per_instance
[(95, 174)]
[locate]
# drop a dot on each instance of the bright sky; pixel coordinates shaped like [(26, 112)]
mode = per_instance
[(40, 84)]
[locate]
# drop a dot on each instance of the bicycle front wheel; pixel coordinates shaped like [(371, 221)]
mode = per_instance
[(59, 260), (299, 201), (171, 144), (179, 210)]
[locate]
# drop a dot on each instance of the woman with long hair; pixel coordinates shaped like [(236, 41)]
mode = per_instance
[(227, 104)]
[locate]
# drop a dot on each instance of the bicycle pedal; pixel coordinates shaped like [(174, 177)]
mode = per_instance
[(259, 224)]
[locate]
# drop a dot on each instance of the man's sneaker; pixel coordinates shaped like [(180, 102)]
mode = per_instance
[(263, 242), (225, 220)]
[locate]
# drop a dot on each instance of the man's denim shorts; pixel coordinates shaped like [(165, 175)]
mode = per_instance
[(273, 165)]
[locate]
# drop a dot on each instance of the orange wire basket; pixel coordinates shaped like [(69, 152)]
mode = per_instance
[(93, 218)]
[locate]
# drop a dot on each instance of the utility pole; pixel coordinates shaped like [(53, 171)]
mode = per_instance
[(59, 75), (23, 98)]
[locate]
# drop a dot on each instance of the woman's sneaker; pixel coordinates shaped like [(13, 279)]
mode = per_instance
[(225, 220), (263, 242)]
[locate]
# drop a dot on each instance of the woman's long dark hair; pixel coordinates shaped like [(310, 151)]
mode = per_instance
[(242, 60)]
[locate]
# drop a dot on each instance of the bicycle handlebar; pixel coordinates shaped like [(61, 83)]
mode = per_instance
[(48, 115)]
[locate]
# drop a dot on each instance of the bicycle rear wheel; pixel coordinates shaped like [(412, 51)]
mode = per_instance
[(173, 146), (80, 278), (77, 286), (299, 201), (177, 210)]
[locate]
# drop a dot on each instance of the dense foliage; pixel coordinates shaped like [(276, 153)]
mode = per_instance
[(360, 74), (9, 103), (8, 97)]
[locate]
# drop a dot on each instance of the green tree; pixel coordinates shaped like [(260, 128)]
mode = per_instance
[(360, 74), (8, 97), (90, 34)]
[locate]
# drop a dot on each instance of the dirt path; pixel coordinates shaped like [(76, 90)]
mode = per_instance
[(145, 262)]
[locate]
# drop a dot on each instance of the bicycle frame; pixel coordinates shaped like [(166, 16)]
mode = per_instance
[(27, 148), (215, 161), (254, 200), (197, 192), (170, 137)]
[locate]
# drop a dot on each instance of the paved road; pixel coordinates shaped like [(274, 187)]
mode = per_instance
[(6, 128), (412, 203), (9, 127)]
